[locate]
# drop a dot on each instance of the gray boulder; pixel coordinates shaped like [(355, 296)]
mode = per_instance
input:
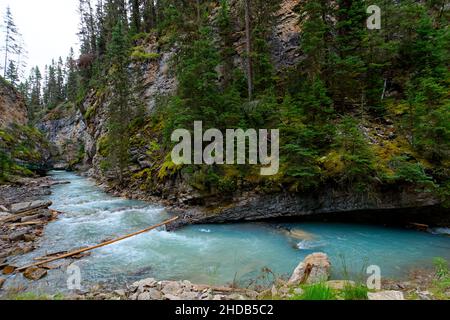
[(314, 269)]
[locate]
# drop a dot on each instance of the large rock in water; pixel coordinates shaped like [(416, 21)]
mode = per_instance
[(315, 268)]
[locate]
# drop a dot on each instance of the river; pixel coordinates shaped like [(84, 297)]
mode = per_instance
[(209, 254)]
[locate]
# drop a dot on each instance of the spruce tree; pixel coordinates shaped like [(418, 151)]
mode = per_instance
[(12, 44), (119, 107), (11, 73), (72, 77)]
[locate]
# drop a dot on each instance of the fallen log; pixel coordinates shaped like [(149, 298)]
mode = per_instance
[(29, 223), (19, 216), (77, 252)]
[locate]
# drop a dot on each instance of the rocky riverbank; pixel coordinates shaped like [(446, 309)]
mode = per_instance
[(313, 271), (23, 216)]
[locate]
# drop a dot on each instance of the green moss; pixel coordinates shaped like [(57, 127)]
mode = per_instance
[(139, 54), (90, 112), (168, 169), (140, 36), (103, 146)]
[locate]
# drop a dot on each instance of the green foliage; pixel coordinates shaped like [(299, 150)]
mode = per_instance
[(412, 172), (358, 158), (355, 292), (139, 54), (329, 106), (317, 292), (119, 113), (5, 166), (442, 270), (20, 147), (442, 281), (31, 296)]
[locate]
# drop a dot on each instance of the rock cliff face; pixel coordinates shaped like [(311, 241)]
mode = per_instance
[(396, 206), (68, 136), (23, 149), (77, 137), (12, 106)]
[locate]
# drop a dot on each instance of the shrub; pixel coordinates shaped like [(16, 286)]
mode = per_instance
[(139, 54), (318, 292), (355, 292)]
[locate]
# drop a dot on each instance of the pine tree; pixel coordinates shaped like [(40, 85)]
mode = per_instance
[(135, 6), (11, 73), (60, 84), (149, 15), (12, 44), (248, 46), (72, 77), (349, 68), (35, 102), (119, 109)]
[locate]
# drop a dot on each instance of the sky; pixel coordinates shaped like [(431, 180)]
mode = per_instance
[(49, 27)]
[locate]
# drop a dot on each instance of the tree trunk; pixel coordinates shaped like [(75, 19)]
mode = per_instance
[(248, 35)]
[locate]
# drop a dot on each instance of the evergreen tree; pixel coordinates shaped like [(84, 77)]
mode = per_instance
[(135, 8), (119, 116), (12, 45), (60, 82), (35, 102), (149, 15), (12, 74), (72, 77)]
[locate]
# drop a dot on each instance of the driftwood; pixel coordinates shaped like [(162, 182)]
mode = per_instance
[(17, 216), (77, 252), (29, 223)]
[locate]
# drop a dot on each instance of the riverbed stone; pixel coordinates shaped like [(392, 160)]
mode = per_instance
[(30, 218), (2, 281), (141, 285), (17, 236), (172, 288), (172, 297), (150, 294), (4, 215), (8, 270), (314, 269), (35, 273), (27, 206), (386, 295), (340, 284), (29, 238), (189, 296), (121, 293)]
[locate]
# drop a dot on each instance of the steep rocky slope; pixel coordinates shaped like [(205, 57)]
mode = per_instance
[(12, 106), (67, 133), (80, 134), (23, 149)]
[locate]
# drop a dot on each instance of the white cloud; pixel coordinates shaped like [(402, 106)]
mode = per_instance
[(49, 27)]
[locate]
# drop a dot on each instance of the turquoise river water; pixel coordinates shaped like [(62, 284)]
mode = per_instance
[(209, 254)]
